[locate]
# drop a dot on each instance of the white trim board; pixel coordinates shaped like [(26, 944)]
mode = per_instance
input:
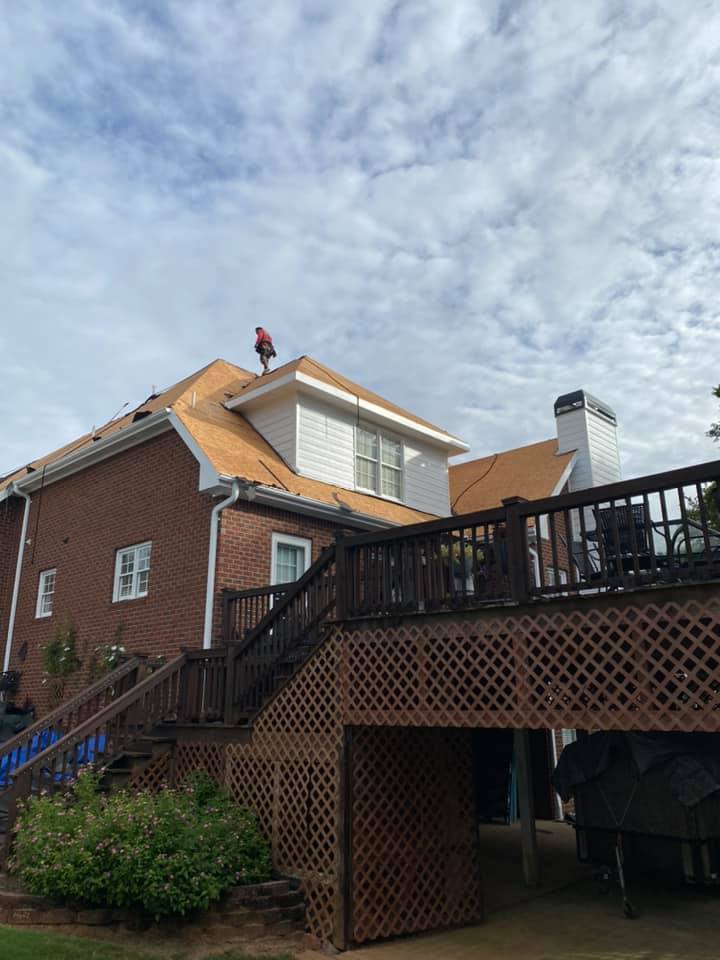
[(298, 379)]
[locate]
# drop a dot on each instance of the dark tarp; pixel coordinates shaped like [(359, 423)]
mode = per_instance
[(690, 761)]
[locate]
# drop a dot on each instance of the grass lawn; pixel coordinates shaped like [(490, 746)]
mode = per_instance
[(31, 945)]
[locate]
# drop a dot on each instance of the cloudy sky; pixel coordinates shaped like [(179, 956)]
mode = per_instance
[(469, 206)]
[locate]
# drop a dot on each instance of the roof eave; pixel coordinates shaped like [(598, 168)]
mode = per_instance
[(151, 426), (453, 444), (284, 500)]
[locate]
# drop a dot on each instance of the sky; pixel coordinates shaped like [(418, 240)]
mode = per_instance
[(469, 206)]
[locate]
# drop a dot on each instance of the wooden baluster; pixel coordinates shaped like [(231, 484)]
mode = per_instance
[(686, 530), (702, 510)]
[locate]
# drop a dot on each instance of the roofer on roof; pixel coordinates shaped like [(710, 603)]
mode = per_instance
[(264, 346)]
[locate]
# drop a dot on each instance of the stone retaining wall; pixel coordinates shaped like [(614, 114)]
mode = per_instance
[(273, 909)]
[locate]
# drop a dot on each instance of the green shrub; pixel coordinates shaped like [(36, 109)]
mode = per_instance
[(165, 853)]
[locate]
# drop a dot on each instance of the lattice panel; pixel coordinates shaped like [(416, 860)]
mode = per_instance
[(289, 774), (651, 666), (195, 756), (156, 773), (415, 862)]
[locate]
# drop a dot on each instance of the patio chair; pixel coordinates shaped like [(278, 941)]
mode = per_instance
[(633, 537)]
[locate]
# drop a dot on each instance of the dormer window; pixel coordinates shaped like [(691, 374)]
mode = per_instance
[(378, 463)]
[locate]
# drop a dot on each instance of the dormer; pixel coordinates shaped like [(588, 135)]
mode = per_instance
[(330, 429)]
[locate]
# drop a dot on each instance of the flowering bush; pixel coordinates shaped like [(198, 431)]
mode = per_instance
[(165, 853), (59, 655)]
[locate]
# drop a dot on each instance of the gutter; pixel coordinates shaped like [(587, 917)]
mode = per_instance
[(14, 489), (282, 500), (212, 561)]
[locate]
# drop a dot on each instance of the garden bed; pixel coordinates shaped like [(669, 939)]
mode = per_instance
[(245, 914)]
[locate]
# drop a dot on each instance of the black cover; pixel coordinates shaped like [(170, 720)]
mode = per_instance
[(690, 761)]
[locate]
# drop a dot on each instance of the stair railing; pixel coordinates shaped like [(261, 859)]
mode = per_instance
[(98, 739), (45, 731), (253, 666)]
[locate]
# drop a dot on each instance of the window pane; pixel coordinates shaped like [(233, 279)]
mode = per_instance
[(127, 562), (142, 583), (143, 557), (289, 562), (126, 582), (391, 482), (367, 444), (391, 452), (366, 474)]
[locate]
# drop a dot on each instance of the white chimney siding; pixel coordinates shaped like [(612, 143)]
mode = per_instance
[(588, 426)]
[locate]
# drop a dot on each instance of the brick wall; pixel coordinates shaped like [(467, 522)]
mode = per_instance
[(149, 492), (76, 526), (245, 545)]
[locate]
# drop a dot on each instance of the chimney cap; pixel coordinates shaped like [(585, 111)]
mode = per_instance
[(581, 398)]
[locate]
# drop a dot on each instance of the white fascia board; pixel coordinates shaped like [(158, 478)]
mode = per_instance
[(283, 500), (565, 476), (145, 429), (454, 445)]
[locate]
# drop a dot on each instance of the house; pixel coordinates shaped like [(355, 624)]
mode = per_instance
[(224, 480), (348, 716)]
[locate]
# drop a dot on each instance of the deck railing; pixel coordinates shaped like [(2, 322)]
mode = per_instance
[(256, 666), (650, 531), (243, 610), (97, 739), (60, 721)]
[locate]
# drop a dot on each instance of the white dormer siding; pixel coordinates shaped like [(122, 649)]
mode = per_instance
[(276, 419), (326, 452), (313, 425)]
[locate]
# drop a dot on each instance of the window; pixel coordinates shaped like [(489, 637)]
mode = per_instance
[(290, 557), (551, 576), (132, 572), (46, 592), (378, 463), (568, 737)]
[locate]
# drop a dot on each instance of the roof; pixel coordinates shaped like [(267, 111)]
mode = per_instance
[(231, 444), (532, 472), (318, 371)]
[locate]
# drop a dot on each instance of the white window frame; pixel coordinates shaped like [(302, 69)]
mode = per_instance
[(119, 553), (379, 434), (40, 611), (290, 541)]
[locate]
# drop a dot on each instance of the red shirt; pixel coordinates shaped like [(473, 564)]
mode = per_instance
[(263, 337)]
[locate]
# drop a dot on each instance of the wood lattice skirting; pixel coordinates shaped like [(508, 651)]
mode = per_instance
[(599, 663)]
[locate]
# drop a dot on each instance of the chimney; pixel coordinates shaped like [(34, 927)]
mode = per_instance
[(589, 426)]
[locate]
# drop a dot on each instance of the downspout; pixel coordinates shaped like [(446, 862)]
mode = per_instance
[(212, 561), (14, 490)]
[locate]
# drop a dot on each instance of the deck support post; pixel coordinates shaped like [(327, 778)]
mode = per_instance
[(528, 837)]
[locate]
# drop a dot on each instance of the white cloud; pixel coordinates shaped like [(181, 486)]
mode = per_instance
[(468, 210)]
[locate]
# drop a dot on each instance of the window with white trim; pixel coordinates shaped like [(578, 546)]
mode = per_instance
[(132, 572), (290, 557), (551, 576), (46, 593), (378, 463)]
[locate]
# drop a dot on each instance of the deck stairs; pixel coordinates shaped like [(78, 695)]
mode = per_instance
[(127, 719)]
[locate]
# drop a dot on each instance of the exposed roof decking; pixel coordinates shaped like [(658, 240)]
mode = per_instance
[(230, 444)]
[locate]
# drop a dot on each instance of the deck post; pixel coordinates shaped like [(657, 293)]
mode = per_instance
[(342, 934), (517, 549), (528, 837), (341, 579), (229, 699)]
